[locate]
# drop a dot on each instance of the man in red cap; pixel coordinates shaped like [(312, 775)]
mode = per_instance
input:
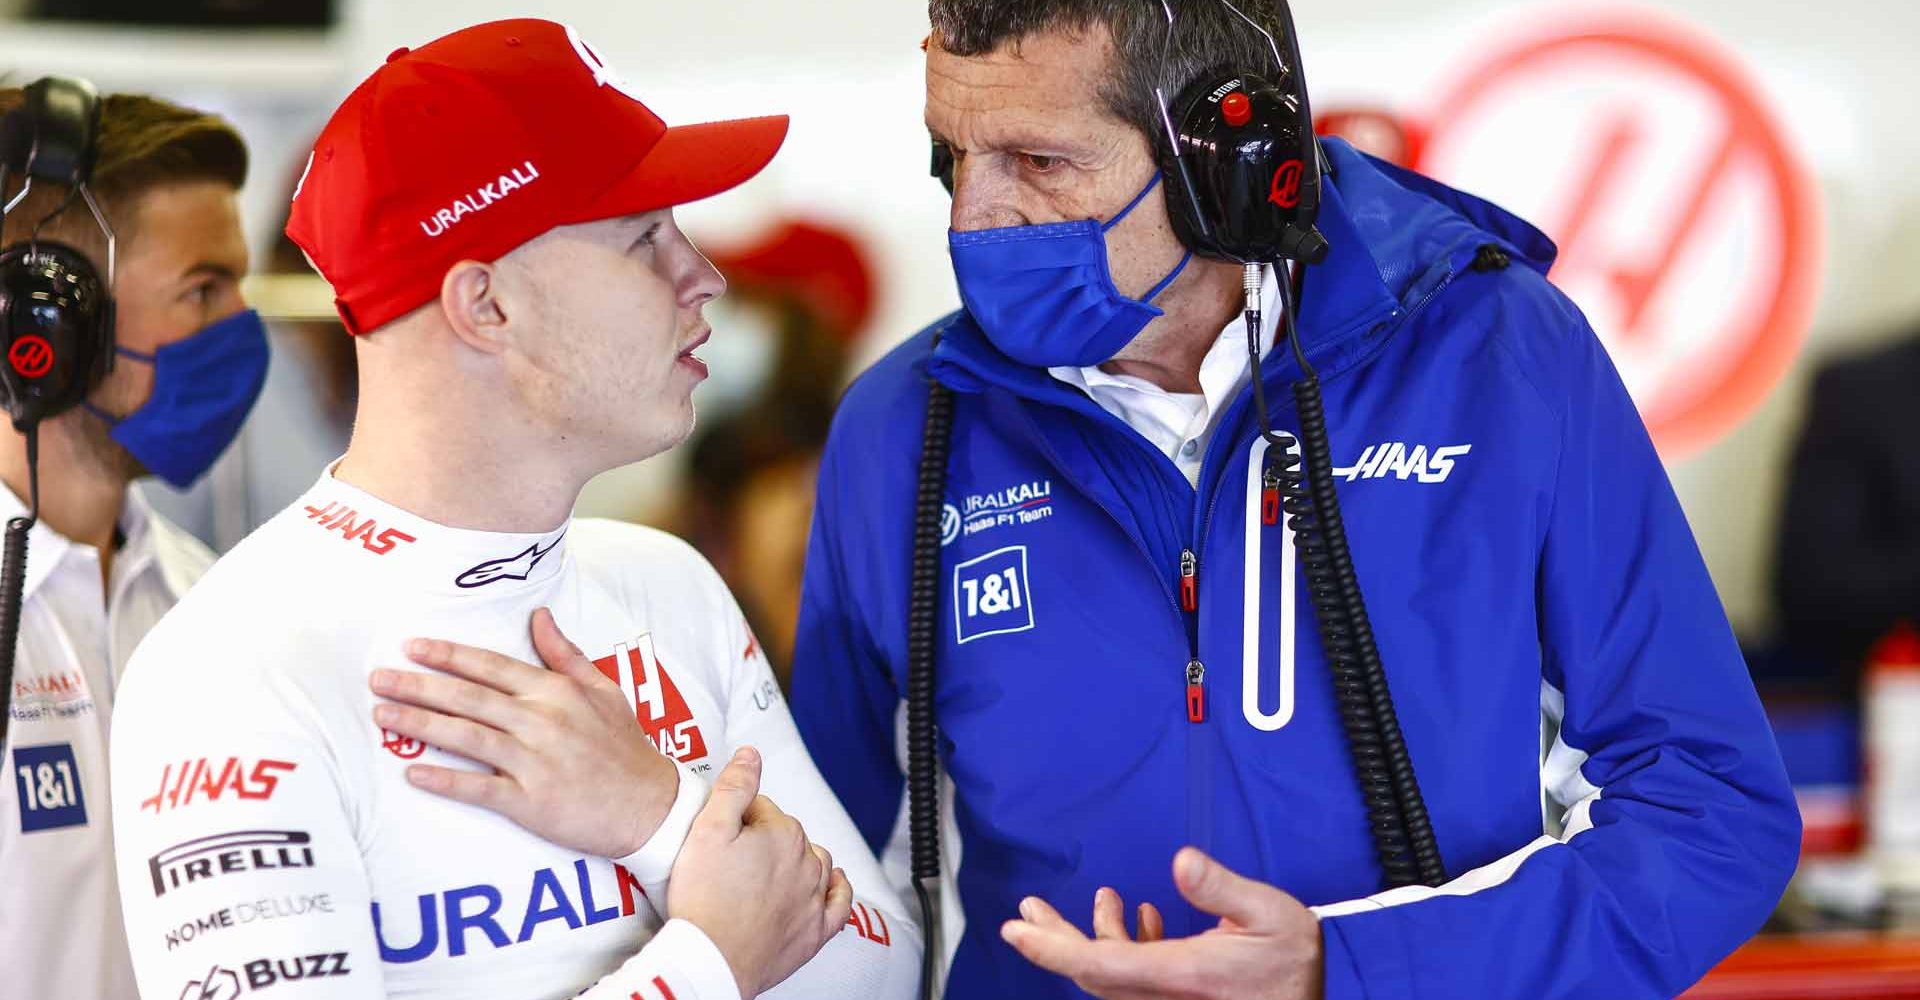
[(494, 212)]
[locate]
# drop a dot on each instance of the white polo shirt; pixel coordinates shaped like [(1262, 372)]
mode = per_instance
[(60, 927)]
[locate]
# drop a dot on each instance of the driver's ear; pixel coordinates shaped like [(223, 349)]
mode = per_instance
[(476, 311)]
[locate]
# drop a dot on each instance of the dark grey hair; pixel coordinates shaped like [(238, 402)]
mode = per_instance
[(1207, 38)]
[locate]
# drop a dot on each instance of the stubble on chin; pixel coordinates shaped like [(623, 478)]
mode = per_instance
[(86, 444)]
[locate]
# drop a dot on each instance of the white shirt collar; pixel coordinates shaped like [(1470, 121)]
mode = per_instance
[(146, 542), (1181, 424), (423, 553)]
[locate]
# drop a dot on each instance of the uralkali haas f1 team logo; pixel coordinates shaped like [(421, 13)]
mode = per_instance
[(1009, 506), (1689, 229), (656, 700)]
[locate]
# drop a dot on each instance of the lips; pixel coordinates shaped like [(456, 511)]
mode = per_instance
[(686, 354)]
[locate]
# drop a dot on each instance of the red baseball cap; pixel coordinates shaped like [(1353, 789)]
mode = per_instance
[(482, 140)]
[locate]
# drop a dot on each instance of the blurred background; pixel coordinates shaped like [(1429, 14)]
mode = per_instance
[(1735, 188)]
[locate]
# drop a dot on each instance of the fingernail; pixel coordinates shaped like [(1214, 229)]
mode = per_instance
[(416, 647), (381, 679), (384, 714), (1192, 863), (1026, 908), (420, 776), (1011, 929), (747, 755)]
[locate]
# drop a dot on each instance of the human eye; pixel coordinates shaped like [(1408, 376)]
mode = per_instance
[(1040, 163), (646, 240)]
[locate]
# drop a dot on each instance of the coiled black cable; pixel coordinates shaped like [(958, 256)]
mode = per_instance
[(1396, 812), (923, 631), (13, 578)]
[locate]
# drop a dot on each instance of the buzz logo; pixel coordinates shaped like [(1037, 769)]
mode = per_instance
[(1396, 459)]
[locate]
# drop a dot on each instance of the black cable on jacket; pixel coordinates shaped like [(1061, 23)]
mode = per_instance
[(923, 633), (13, 578), (1396, 811)]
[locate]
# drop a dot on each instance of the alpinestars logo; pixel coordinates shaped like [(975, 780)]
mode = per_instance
[(1396, 459), (657, 702), (514, 567)]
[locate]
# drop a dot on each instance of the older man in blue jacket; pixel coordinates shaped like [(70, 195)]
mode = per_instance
[(1607, 798)]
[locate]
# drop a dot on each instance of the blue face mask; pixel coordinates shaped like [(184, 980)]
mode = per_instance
[(203, 387), (1043, 295)]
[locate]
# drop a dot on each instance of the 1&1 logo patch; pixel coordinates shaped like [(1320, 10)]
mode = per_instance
[(48, 783), (991, 596)]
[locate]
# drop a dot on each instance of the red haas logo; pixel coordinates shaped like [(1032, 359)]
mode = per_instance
[(1286, 184), (403, 747), (339, 517), (663, 713), (31, 356), (212, 778)]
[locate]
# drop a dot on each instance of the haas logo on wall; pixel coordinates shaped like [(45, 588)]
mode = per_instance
[(657, 703), (1689, 228)]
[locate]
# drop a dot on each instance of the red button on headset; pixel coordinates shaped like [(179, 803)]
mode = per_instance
[(1236, 108)]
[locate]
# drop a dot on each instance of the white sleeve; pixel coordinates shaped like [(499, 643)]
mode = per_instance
[(238, 865), (679, 963), (878, 953)]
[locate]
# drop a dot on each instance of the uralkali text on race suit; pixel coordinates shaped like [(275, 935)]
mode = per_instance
[(268, 840)]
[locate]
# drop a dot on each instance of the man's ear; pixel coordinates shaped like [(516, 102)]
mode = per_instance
[(470, 299)]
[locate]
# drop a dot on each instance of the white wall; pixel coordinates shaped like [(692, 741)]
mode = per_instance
[(849, 73)]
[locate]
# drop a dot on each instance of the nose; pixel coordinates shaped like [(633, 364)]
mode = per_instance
[(982, 198), (703, 282)]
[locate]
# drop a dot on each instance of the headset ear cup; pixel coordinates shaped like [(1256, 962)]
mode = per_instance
[(58, 334), (1247, 166)]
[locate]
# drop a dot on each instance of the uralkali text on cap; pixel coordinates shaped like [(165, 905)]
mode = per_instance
[(482, 140)]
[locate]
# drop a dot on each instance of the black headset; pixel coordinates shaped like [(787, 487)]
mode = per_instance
[(1242, 160), (56, 313), (56, 308), (1240, 157)]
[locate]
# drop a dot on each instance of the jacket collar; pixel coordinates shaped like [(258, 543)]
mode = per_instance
[(1395, 238)]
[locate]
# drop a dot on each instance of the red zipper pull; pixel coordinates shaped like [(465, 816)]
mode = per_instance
[(1196, 691), (1189, 581), (1270, 495)]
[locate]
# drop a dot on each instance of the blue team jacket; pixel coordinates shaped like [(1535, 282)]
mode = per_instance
[(1603, 785)]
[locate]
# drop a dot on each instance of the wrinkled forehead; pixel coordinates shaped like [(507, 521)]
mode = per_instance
[(1044, 85)]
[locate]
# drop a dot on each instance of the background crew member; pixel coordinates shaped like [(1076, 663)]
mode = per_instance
[(102, 567), (1127, 659)]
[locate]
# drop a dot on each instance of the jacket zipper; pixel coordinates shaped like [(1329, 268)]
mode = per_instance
[(1196, 673)]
